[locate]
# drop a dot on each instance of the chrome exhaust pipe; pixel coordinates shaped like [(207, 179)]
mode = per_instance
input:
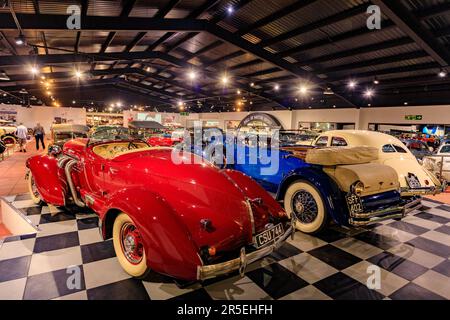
[(69, 166)]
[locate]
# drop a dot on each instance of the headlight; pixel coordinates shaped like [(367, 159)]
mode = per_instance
[(358, 188)]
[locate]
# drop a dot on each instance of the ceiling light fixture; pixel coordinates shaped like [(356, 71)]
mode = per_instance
[(276, 87), (442, 73), (328, 92), (252, 84), (230, 9), (352, 84), (303, 90), (4, 76), (20, 40), (192, 75), (376, 81), (78, 74), (224, 80), (369, 93), (34, 70)]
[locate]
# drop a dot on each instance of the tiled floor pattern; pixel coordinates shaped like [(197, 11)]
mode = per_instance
[(413, 256)]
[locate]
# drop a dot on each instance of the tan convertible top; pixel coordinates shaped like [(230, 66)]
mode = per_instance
[(341, 156)]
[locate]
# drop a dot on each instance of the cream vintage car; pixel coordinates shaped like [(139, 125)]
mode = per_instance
[(414, 179)]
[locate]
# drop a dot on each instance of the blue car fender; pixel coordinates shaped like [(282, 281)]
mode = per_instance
[(328, 189)]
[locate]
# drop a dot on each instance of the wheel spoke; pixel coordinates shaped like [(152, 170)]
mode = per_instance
[(305, 206)]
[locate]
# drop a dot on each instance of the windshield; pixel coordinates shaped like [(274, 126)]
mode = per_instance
[(445, 149), (296, 137), (111, 133), (62, 136)]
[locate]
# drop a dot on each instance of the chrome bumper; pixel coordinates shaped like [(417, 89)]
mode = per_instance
[(223, 268), (384, 214), (408, 192)]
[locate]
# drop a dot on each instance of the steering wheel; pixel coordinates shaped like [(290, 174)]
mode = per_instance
[(132, 145)]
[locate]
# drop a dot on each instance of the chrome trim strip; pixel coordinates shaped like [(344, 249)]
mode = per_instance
[(391, 213), (77, 201), (250, 213)]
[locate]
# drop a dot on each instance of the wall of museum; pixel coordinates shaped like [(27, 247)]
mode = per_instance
[(289, 119)]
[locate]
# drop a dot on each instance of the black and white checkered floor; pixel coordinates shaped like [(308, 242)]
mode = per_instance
[(414, 256)]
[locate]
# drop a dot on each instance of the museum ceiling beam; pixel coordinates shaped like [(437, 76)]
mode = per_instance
[(344, 15), (374, 62), (389, 71), (412, 27), (217, 17), (44, 22), (194, 14), (362, 32)]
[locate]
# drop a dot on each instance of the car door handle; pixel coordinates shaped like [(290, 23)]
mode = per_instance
[(113, 170)]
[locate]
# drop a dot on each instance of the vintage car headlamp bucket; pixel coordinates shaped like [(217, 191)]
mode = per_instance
[(54, 150), (357, 188)]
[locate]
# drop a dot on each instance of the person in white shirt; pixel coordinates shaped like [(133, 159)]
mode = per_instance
[(22, 133)]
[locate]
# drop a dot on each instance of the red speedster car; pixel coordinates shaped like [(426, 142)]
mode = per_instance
[(188, 221), (154, 133)]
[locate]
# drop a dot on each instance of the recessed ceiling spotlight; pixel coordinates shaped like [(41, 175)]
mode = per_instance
[(376, 81), (78, 74), (230, 9), (252, 84), (405, 103), (224, 80), (192, 75), (238, 91), (334, 106), (276, 87), (442, 73), (369, 93), (352, 84), (34, 70), (303, 90), (369, 105)]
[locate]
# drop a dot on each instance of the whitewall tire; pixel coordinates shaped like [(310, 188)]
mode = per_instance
[(129, 246), (304, 200)]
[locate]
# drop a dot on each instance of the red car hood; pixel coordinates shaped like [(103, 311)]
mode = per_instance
[(197, 191)]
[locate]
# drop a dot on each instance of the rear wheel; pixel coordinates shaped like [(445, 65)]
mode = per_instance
[(33, 190), (129, 246), (304, 201), (9, 141)]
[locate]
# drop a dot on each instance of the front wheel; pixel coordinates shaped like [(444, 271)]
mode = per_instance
[(304, 201), (33, 190), (129, 246)]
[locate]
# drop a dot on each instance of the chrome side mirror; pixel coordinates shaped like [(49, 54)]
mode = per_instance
[(54, 150)]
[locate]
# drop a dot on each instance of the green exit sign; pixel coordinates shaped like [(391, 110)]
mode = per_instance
[(414, 117), (184, 114)]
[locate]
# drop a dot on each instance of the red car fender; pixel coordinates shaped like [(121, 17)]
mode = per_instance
[(168, 244), (254, 191), (46, 175)]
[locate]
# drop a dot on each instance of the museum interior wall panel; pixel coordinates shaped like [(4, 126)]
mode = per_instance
[(397, 115), (47, 115)]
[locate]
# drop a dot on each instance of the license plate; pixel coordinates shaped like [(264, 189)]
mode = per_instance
[(413, 182), (354, 204), (269, 236)]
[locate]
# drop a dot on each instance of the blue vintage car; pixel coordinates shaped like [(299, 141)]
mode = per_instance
[(356, 193)]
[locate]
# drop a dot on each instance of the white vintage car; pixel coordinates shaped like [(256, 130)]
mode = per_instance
[(414, 179), (439, 163)]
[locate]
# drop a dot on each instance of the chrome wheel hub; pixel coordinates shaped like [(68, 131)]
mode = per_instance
[(305, 206), (131, 243)]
